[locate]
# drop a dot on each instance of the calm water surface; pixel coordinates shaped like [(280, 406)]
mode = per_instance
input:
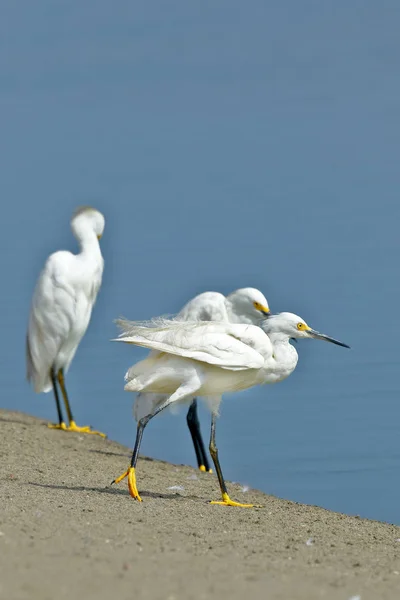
[(229, 144)]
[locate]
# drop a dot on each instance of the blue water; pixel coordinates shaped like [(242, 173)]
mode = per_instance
[(229, 144)]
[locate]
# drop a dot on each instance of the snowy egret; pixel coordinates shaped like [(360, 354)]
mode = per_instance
[(209, 359), (246, 305), (61, 308)]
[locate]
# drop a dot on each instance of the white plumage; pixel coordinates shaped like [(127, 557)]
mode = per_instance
[(62, 303), (221, 344), (209, 359), (226, 357), (245, 305)]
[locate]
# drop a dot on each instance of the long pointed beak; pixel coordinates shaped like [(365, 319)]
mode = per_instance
[(321, 336)]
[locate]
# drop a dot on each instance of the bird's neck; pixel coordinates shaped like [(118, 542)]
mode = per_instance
[(282, 362), (235, 315), (231, 315), (89, 246), (284, 353)]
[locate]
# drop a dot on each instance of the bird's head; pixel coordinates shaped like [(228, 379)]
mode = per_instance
[(249, 304), (86, 218), (293, 326)]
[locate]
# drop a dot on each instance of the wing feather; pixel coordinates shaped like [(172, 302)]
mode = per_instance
[(50, 320), (208, 306), (219, 344)]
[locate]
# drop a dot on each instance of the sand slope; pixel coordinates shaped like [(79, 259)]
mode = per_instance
[(64, 534)]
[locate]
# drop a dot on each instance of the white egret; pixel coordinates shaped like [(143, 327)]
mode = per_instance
[(246, 305), (61, 308), (209, 359)]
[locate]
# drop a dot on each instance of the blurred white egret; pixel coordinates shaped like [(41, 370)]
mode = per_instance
[(209, 359), (246, 305), (61, 308)]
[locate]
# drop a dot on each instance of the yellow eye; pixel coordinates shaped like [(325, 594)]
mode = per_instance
[(301, 326)]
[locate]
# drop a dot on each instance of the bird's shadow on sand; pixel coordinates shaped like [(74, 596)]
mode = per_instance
[(111, 490), (17, 421), (110, 453), (129, 455)]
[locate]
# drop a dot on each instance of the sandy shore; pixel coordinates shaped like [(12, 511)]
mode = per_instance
[(65, 534)]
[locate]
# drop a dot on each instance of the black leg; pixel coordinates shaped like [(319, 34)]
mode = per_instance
[(185, 390), (56, 397), (61, 381), (72, 425), (131, 472), (226, 501), (214, 456), (140, 429), (194, 428), (139, 434)]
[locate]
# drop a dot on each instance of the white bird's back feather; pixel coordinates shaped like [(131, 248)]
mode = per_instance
[(222, 344), (50, 318), (208, 306)]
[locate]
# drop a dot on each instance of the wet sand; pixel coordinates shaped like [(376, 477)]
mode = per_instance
[(65, 534)]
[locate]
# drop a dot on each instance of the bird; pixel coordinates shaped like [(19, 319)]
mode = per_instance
[(207, 360), (245, 305), (60, 312)]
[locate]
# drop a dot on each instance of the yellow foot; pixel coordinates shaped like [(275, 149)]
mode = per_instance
[(131, 475), (57, 426), (204, 470), (226, 501), (74, 427)]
